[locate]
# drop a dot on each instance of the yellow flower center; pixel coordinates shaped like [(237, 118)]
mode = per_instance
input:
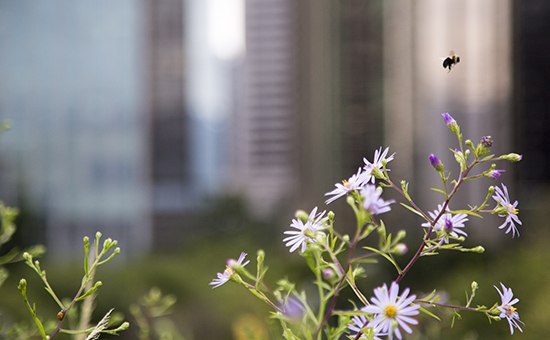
[(390, 311), (346, 184), (228, 270), (309, 233), (512, 210), (509, 310)]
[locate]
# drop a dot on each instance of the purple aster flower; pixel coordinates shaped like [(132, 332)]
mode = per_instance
[(372, 201), (506, 308), (379, 157), (392, 312), (448, 223), (436, 163), (293, 308), (358, 325), (506, 209), (353, 183), (229, 270), (495, 174), (306, 232)]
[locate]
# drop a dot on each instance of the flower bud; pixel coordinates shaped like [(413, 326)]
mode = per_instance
[(400, 249), (22, 286), (512, 157), (328, 273), (27, 256), (494, 174), (459, 156), (487, 141), (260, 256), (401, 234), (484, 145), (478, 249), (451, 123), (123, 327), (436, 163), (302, 215), (448, 119)]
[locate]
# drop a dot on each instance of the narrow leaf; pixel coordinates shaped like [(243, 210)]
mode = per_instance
[(423, 310), (439, 190), (411, 209)]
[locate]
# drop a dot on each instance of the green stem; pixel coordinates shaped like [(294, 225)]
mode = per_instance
[(434, 222)]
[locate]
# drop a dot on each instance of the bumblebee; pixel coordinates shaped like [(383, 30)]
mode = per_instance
[(451, 60)]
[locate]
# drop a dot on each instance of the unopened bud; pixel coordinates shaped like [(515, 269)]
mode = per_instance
[(400, 249), (302, 215), (260, 255), (487, 141), (328, 273), (451, 123), (436, 163), (22, 286), (494, 174), (478, 249), (27, 256), (512, 157), (459, 156), (484, 145)]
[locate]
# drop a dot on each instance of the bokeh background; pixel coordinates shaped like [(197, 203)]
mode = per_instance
[(192, 130)]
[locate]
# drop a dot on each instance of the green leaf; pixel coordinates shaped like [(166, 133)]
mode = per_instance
[(90, 292), (465, 212), (423, 310), (387, 257), (430, 296), (412, 209), (487, 158), (439, 190)]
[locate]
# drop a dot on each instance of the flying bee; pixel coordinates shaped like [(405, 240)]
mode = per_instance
[(451, 60)]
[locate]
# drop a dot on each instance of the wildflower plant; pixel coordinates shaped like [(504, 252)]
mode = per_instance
[(85, 292), (337, 261)]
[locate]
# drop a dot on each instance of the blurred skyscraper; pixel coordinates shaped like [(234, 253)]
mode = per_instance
[(128, 115), (72, 82), (118, 125)]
